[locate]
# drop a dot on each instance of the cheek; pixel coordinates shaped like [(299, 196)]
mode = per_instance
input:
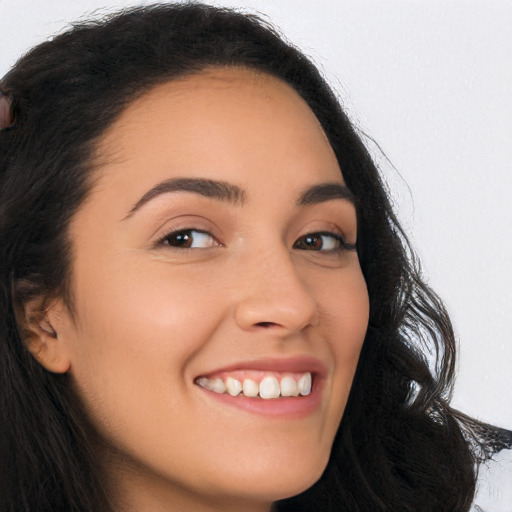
[(344, 304), (140, 309), (354, 318), (346, 313), (137, 331)]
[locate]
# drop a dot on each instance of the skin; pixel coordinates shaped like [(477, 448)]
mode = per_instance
[(149, 317)]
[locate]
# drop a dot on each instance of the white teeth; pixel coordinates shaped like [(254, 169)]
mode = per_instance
[(289, 387), (205, 383), (269, 388), (304, 384), (250, 388), (233, 386), (218, 386)]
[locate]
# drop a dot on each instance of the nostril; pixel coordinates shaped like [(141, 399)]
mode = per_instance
[(265, 324)]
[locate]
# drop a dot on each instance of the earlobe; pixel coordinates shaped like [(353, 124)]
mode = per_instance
[(40, 330)]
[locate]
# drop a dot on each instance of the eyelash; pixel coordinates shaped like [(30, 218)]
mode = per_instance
[(308, 238), (343, 245)]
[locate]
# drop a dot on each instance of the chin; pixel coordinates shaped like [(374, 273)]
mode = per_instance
[(279, 481)]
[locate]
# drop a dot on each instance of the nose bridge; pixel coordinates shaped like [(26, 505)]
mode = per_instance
[(273, 293)]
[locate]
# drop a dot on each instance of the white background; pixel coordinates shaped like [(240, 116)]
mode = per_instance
[(430, 81)]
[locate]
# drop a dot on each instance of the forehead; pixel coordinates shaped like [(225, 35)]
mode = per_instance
[(231, 121)]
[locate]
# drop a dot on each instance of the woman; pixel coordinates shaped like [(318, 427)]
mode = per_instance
[(207, 301)]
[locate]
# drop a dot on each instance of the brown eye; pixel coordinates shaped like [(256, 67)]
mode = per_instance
[(180, 239), (309, 243), (189, 239), (319, 242)]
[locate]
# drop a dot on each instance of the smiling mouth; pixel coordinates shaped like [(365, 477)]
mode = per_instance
[(257, 384)]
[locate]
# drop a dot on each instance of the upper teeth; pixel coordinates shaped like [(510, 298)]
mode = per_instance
[(268, 387)]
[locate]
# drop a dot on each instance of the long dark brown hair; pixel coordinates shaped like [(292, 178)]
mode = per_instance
[(400, 447)]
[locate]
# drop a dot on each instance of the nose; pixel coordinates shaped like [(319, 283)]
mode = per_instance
[(273, 295)]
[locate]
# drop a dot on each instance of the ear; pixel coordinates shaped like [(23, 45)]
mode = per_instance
[(41, 330)]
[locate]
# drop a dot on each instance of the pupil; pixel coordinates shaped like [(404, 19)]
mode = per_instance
[(183, 239), (314, 242)]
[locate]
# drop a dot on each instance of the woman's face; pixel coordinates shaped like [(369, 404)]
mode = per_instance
[(215, 251)]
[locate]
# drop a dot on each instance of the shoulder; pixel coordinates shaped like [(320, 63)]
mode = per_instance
[(494, 486)]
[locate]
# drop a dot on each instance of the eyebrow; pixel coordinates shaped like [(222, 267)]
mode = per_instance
[(325, 192), (208, 188), (231, 193)]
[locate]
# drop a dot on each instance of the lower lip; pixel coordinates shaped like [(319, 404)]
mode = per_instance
[(283, 407)]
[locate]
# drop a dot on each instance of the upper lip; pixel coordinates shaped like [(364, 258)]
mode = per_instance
[(299, 364)]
